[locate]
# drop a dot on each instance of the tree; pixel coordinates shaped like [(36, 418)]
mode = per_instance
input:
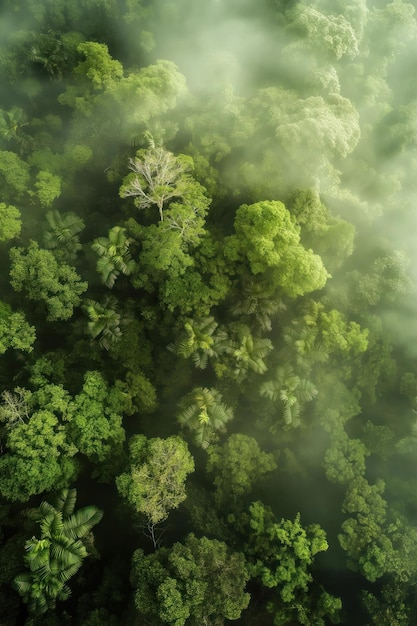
[(200, 340), (249, 301), (196, 582), (280, 554), (47, 188), (104, 321), (330, 34), (344, 460), (267, 241), (96, 73), (158, 176), (37, 457), (14, 174), (10, 222), (95, 423), (247, 353), (291, 390), (61, 234), (203, 412), (38, 273), (368, 547), (155, 483), (59, 552), (114, 255), (15, 332), (237, 465)]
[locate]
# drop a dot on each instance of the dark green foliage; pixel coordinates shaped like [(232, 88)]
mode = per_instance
[(241, 175), (195, 582), (57, 555)]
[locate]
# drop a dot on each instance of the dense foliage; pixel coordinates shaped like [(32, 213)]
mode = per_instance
[(207, 312)]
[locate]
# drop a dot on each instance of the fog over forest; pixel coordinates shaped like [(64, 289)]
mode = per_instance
[(208, 336)]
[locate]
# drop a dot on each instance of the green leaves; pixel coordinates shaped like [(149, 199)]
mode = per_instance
[(61, 234), (237, 465), (203, 412), (10, 222), (158, 471), (268, 241), (58, 554), (104, 324), (38, 273), (114, 255), (199, 581)]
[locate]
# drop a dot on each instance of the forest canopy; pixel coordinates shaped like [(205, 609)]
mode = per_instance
[(208, 375)]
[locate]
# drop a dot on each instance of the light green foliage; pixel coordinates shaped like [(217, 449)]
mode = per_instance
[(48, 188), (38, 273), (281, 552), (61, 234), (196, 582), (15, 332), (96, 426), (237, 465), (386, 279), (204, 413), (368, 547), (14, 175), (104, 321), (143, 94), (58, 554), (269, 241), (330, 34), (344, 460), (98, 67), (37, 457), (155, 483), (114, 255), (96, 73), (10, 222)]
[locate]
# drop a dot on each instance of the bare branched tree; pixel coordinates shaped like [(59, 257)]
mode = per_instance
[(160, 176), (14, 409)]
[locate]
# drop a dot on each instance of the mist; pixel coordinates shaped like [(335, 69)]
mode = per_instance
[(208, 310)]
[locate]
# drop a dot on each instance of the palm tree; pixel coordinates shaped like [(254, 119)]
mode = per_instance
[(199, 340), (55, 557), (291, 390), (12, 123), (61, 234), (114, 255), (250, 301), (248, 352), (104, 321), (203, 412)]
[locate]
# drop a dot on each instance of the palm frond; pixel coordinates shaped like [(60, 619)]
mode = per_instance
[(65, 501), (81, 522)]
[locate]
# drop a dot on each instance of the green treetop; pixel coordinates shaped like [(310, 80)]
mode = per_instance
[(268, 241), (155, 483), (196, 582), (38, 273), (58, 554)]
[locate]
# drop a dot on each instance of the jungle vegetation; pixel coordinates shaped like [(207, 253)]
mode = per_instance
[(208, 341)]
